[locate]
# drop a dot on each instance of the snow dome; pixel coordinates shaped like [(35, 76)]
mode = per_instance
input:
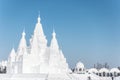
[(79, 65), (115, 70), (93, 70), (104, 70), (79, 68)]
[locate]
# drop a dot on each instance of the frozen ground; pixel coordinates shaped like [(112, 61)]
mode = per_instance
[(53, 77), (117, 78)]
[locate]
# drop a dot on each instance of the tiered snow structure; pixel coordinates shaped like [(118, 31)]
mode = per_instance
[(37, 57)]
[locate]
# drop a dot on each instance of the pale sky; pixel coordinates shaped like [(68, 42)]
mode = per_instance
[(87, 30)]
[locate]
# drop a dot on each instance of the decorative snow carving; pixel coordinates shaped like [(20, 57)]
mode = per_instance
[(38, 57)]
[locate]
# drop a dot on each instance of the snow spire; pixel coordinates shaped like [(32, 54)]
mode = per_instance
[(38, 32), (54, 34), (22, 45), (12, 55), (39, 19), (54, 43), (23, 33), (38, 28)]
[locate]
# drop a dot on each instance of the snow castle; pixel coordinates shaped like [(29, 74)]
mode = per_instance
[(37, 57)]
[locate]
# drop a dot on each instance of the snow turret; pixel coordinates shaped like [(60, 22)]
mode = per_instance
[(38, 49), (54, 55), (11, 61), (21, 52), (38, 29), (39, 19), (38, 32), (79, 68), (22, 49), (54, 43), (38, 40), (57, 61), (12, 56)]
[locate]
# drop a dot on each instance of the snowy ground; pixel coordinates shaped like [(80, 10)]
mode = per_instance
[(22, 77), (117, 78), (53, 77)]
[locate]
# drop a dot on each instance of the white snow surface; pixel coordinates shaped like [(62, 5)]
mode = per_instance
[(72, 76)]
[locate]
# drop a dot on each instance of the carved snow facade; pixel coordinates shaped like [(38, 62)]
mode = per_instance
[(37, 57)]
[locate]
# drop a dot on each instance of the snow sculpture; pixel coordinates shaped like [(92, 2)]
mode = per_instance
[(11, 61), (104, 72), (57, 61), (114, 72), (79, 68), (93, 70), (37, 57)]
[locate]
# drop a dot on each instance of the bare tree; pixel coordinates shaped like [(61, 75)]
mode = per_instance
[(99, 65)]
